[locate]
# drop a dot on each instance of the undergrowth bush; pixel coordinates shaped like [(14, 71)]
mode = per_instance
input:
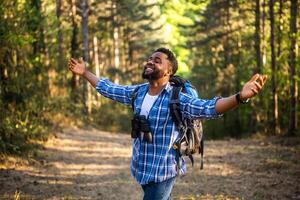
[(20, 126)]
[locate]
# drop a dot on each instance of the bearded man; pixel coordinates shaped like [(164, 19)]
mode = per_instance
[(153, 164)]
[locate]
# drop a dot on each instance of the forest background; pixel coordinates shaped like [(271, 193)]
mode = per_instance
[(219, 45)]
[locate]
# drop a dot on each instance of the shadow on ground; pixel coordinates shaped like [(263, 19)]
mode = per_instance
[(91, 164)]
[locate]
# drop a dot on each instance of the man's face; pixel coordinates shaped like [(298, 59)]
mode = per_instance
[(157, 66)]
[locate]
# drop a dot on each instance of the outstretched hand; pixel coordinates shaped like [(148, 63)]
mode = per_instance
[(77, 67), (253, 86)]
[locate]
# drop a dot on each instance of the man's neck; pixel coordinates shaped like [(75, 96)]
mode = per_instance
[(156, 86)]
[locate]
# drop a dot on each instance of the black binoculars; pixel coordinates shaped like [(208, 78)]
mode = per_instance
[(141, 128)]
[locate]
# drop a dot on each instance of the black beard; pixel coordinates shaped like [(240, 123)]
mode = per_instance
[(155, 75)]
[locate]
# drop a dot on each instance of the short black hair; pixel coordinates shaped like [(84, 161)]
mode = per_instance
[(171, 58)]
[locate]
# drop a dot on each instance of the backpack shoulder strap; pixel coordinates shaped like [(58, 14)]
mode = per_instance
[(175, 106), (177, 117)]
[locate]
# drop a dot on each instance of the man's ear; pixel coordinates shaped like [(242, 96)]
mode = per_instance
[(168, 73), (170, 70)]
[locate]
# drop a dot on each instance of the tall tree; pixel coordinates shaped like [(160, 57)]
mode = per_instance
[(280, 28), (85, 30), (274, 69), (258, 69), (60, 55), (257, 37), (292, 64), (116, 39), (264, 43), (74, 49), (85, 40)]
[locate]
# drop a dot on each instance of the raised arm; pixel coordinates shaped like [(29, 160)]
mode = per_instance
[(250, 89), (79, 68), (200, 108), (119, 93)]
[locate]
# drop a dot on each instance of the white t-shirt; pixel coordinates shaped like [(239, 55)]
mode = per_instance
[(147, 104)]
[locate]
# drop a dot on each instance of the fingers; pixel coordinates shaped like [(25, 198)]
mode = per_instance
[(81, 60), (259, 77), (255, 77), (259, 86), (71, 64), (260, 80), (259, 83), (73, 61), (265, 77), (254, 90)]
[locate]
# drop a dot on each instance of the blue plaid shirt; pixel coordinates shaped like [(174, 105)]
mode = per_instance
[(156, 162)]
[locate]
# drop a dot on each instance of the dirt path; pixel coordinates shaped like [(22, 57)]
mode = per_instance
[(91, 164)]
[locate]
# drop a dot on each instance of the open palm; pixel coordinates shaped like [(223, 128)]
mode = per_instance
[(77, 67)]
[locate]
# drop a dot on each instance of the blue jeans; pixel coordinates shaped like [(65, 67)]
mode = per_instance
[(159, 191)]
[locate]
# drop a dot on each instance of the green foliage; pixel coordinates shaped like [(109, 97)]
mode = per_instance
[(176, 16), (213, 41), (19, 127), (22, 103)]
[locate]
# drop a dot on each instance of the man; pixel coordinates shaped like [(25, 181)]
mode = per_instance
[(153, 163)]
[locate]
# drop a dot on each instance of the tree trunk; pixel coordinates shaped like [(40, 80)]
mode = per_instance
[(264, 43), (280, 28), (274, 70), (237, 85), (227, 62), (257, 37), (257, 45), (116, 41), (46, 58), (292, 64), (96, 56), (3, 81), (37, 44), (86, 57), (74, 51), (97, 67), (85, 31), (60, 62), (38, 33)]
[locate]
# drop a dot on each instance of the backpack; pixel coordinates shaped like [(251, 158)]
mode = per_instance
[(190, 140)]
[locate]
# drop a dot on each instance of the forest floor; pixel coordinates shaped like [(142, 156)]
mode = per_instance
[(92, 164)]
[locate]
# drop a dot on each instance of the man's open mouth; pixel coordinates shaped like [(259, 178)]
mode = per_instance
[(148, 69)]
